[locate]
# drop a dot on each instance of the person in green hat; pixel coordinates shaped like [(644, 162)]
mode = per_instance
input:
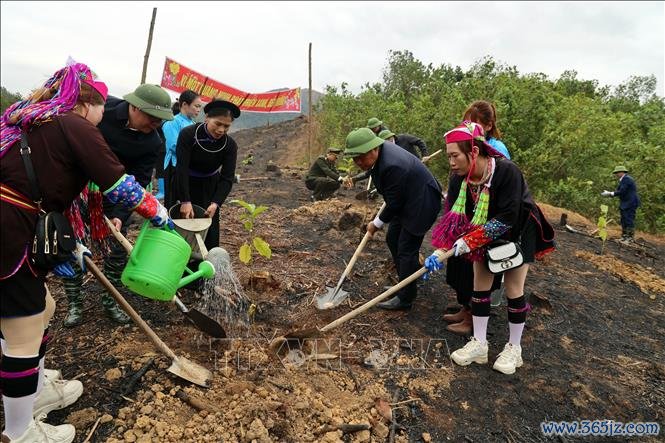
[(129, 126), (323, 178), (408, 142), (629, 201), (375, 125), (413, 200)]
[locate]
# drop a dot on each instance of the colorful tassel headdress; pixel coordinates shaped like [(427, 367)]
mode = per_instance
[(455, 223), (65, 86), (468, 131)]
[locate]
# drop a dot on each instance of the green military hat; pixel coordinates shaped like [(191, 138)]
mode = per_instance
[(386, 134), (152, 100), (373, 123), (361, 141), (619, 168), (335, 150)]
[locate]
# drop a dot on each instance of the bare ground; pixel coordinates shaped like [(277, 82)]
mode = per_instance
[(592, 348)]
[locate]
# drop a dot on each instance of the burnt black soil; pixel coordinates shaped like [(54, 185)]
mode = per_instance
[(592, 348)]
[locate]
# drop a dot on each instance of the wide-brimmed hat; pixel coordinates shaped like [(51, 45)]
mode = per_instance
[(334, 150), (222, 104), (373, 123), (361, 141), (386, 134), (619, 168), (152, 100), (468, 131)]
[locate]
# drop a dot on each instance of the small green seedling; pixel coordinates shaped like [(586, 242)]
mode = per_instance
[(602, 226), (248, 219)]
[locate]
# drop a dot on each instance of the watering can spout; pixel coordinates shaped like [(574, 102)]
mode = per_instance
[(206, 270)]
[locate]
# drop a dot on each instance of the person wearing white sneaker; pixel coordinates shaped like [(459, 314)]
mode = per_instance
[(52, 135), (501, 207)]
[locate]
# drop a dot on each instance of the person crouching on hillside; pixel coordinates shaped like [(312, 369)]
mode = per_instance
[(492, 201), (323, 178)]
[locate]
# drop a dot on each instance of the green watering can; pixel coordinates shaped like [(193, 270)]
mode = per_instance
[(157, 262)]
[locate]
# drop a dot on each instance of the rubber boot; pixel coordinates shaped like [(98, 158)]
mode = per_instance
[(74, 297), (113, 311)]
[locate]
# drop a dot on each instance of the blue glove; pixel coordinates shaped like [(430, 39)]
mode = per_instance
[(78, 254), (432, 264), (64, 270), (162, 219)]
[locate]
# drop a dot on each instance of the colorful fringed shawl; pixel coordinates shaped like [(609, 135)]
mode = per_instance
[(455, 223)]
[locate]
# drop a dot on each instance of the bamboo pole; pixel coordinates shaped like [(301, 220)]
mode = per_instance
[(147, 50), (309, 110)]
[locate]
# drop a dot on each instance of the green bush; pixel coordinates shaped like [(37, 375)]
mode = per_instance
[(566, 134)]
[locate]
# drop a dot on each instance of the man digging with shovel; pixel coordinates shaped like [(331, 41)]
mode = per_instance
[(413, 201)]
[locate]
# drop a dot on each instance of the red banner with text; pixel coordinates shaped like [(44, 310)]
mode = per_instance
[(178, 78)]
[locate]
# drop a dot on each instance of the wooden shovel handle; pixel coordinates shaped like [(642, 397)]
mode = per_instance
[(359, 310), (128, 309), (118, 235), (431, 156), (359, 249)]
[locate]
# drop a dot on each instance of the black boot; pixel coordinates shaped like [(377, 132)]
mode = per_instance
[(74, 297), (113, 311)]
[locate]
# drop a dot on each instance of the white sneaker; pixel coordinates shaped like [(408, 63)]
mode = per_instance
[(52, 374), (509, 359), (472, 352), (39, 432), (56, 394)]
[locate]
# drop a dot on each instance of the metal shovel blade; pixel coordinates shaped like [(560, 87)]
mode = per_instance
[(205, 323), (190, 371), (331, 299)]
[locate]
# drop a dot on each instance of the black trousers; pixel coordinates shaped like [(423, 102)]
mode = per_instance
[(404, 247), (322, 187), (628, 218)]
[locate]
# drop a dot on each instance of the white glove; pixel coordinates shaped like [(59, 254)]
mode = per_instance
[(162, 219), (607, 194), (340, 179), (461, 247), (78, 254)]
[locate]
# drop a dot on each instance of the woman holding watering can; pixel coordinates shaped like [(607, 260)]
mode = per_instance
[(492, 201), (206, 165), (66, 150)]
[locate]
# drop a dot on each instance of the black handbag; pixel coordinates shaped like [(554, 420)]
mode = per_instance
[(54, 239)]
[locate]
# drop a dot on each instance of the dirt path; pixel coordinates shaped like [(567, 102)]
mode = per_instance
[(593, 346)]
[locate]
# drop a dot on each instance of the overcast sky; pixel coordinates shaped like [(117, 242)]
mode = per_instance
[(257, 46)]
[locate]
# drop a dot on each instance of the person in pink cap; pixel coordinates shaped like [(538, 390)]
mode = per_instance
[(488, 199), (55, 128)]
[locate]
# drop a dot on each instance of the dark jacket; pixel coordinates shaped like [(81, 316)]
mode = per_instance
[(323, 168), (412, 144), (411, 193), (627, 193), (136, 150)]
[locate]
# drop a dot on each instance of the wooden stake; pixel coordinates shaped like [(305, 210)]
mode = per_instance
[(147, 50), (309, 108)]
